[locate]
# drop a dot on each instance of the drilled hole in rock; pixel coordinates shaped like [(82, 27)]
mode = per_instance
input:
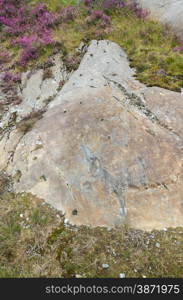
[(43, 178), (74, 212)]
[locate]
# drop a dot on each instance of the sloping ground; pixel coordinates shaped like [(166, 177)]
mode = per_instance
[(108, 151), (167, 11), (152, 48), (36, 242)]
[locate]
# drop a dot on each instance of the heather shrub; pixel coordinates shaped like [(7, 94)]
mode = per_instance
[(179, 48), (10, 77), (28, 28), (32, 30)]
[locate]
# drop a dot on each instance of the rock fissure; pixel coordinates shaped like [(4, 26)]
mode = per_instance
[(139, 102), (12, 153)]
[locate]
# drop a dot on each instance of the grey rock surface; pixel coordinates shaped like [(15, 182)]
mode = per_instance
[(34, 91), (108, 150), (166, 11)]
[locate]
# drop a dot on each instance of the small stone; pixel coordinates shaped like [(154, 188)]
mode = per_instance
[(78, 276), (121, 275), (177, 242), (21, 215), (66, 221), (39, 142), (105, 266), (158, 245)]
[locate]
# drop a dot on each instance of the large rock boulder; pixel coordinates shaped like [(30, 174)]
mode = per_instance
[(107, 151), (166, 11)]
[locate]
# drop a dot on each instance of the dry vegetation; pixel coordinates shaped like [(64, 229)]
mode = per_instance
[(36, 242)]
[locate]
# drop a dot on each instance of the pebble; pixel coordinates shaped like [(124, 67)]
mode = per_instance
[(158, 245), (78, 276), (122, 275), (39, 142), (178, 242), (105, 266)]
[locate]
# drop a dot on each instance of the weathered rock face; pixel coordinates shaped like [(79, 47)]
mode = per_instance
[(107, 151), (167, 11)]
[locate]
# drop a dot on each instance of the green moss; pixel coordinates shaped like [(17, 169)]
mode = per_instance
[(149, 46), (55, 234)]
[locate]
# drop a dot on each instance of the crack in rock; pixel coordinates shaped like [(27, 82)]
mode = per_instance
[(139, 102)]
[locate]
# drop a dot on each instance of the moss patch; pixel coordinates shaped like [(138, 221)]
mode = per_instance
[(149, 46), (27, 123)]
